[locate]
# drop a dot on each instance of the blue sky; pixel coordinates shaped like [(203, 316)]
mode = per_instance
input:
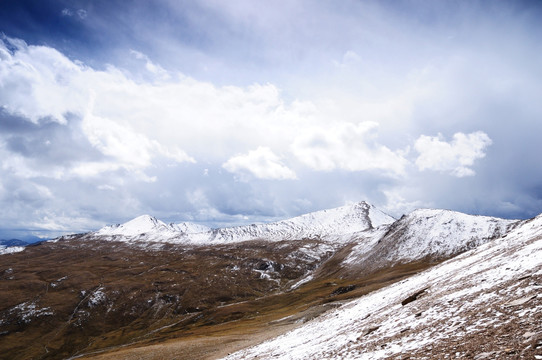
[(233, 112)]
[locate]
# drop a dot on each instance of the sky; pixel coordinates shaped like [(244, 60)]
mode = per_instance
[(235, 112)]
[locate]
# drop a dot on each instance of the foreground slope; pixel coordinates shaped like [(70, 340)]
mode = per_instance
[(485, 303)]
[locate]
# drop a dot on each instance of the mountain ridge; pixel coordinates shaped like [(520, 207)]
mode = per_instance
[(343, 220)]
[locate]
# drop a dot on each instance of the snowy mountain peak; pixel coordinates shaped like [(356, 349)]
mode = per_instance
[(140, 225), (351, 218)]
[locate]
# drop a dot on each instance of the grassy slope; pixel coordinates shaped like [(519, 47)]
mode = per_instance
[(236, 326)]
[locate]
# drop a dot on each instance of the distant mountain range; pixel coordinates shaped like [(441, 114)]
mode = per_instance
[(13, 242), (424, 233), (325, 224)]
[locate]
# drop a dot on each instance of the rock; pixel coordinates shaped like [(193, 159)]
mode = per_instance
[(343, 290), (485, 355), (521, 301), (370, 330), (413, 297)]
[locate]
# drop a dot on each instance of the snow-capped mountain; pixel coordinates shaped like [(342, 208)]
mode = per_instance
[(144, 224), (323, 224), (379, 239), (428, 234)]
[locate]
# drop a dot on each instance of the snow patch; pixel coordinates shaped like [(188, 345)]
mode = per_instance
[(27, 311), (97, 297), (10, 249)]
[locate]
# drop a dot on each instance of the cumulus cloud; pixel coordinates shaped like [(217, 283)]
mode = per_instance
[(37, 82), (347, 146), (40, 85), (262, 163), (132, 123), (128, 149), (455, 157)]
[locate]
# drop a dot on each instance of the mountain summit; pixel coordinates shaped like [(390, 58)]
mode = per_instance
[(144, 224)]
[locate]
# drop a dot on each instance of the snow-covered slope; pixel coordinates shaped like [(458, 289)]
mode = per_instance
[(429, 234), (326, 224), (190, 228), (10, 249), (484, 304)]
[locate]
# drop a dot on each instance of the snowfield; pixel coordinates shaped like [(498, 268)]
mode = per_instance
[(453, 310)]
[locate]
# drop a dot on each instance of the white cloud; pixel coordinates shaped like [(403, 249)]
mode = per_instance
[(82, 13), (347, 146), (131, 150), (41, 85), (397, 203), (262, 163), (151, 66), (133, 123), (36, 82), (455, 157)]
